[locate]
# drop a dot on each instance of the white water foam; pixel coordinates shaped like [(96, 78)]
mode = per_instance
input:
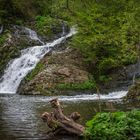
[(111, 96), (33, 35), (117, 95), (18, 68)]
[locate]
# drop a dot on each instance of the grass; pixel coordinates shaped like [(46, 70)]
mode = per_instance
[(114, 126), (40, 66), (87, 85)]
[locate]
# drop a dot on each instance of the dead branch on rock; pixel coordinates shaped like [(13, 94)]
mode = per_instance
[(59, 123)]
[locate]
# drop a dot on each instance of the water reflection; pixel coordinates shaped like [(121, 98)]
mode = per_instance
[(20, 115)]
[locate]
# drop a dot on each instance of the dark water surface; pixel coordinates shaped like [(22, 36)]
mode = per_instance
[(20, 115)]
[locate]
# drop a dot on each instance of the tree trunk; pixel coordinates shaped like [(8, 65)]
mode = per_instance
[(59, 123)]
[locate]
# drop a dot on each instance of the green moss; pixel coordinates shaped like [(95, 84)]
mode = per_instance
[(45, 25), (114, 126), (78, 86), (35, 71), (104, 78), (2, 39)]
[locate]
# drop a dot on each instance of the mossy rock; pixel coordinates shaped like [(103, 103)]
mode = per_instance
[(134, 92)]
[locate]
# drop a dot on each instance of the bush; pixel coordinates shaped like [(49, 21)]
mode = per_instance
[(48, 26), (114, 126), (78, 86)]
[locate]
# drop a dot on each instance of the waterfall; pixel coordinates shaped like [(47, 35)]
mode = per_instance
[(112, 96), (33, 35), (18, 68)]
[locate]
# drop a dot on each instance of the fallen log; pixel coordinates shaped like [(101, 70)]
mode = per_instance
[(61, 124)]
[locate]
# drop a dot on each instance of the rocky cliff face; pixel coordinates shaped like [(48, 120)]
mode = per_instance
[(63, 66)]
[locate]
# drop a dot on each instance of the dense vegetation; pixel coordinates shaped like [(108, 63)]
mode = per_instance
[(108, 37), (108, 34), (114, 126), (74, 86), (108, 30)]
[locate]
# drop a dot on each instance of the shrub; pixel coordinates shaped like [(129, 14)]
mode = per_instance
[(114, 126), (78, 86)]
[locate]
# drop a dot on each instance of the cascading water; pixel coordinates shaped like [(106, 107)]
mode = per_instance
[(33, 35), (18, 68), (1, 29)]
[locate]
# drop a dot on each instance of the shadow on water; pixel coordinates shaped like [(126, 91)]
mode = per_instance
[(20, 115)]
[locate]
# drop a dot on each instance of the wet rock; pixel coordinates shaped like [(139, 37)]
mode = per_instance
[(134, 92), (61, 67), (121, 78)]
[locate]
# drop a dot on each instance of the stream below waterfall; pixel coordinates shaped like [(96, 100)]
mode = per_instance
[(20, 115)]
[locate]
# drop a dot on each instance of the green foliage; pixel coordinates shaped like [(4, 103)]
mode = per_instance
[(35, 71), (114, 126), (2, 39), (108, 34), (19, 22), (78, 86), (45, 24), (23, 9), (104, 78), (108, 30)]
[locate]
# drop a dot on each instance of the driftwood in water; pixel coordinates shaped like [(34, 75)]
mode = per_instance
[(59, 123)]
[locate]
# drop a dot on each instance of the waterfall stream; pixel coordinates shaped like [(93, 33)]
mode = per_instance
[(18, 68)]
